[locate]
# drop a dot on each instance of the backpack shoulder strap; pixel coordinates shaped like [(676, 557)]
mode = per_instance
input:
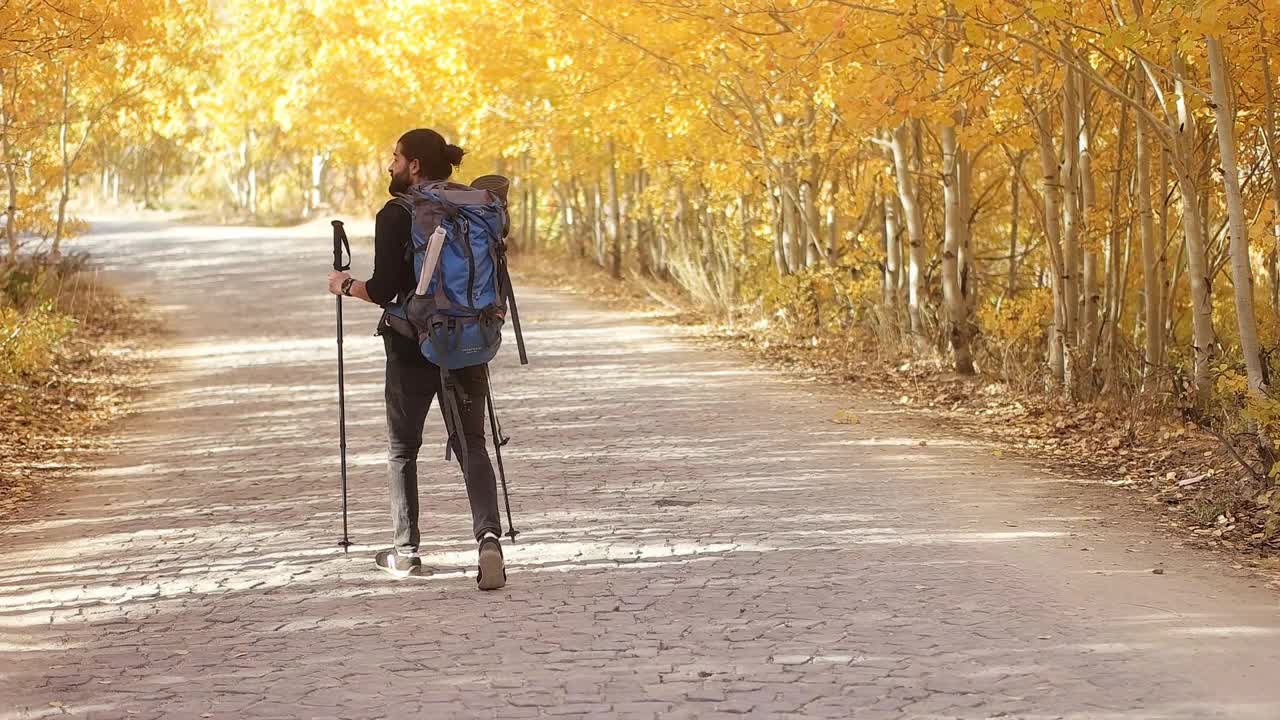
[(425, 217), (401, 201), (405, 204)]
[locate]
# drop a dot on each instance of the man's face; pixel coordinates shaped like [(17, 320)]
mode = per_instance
[(402, 172)]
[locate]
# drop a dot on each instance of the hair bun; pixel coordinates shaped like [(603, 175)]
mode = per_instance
[(453, 154)]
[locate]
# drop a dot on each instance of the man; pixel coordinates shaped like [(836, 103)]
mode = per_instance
[(412, 382)]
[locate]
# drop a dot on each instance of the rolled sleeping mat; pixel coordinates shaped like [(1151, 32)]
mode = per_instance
[(496, 184)]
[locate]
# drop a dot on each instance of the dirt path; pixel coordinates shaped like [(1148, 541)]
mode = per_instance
[(698, 541)]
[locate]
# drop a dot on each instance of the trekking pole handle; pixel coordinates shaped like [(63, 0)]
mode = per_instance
[(340, 244)]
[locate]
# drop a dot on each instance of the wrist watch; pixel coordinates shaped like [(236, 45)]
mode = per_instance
[(346, 286)]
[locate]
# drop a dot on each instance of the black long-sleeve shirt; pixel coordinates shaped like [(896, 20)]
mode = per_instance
[(392, 271), (393, 276)]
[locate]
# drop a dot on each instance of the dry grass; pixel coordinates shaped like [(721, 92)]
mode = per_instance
[(580, 276), (80, 346)]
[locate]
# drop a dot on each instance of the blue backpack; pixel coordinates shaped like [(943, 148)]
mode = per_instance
[(459, 306)]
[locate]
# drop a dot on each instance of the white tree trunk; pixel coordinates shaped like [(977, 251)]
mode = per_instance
[(65, 153), (1151, 280), (1162, 262), (1203, 340), (251, 173), (953, 241), (1071, 227), (968, 259), (792, 222), (315, 195), (1011, 284), (892, 262), (812, 223), (1051, 182), (1241, 272), (615, 214), (915, 232), (1091, 301), (779, 231), (525, 174), (8, 93), (597, 220), (532, 235), (1274, 160), (1117, 274), (832, 224)]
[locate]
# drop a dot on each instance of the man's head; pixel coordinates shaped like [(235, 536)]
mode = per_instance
[(421, 155)]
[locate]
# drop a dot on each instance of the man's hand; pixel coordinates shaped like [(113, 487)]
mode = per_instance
[(335, 281)]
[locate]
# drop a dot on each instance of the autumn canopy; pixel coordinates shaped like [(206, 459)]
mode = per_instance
[(1083, 194)]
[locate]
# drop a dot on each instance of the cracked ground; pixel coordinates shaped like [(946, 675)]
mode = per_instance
[(698, 540)]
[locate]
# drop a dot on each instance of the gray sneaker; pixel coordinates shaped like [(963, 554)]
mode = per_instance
[(493, 574), (397, 564)]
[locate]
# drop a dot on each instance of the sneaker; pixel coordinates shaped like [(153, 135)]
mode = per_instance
[(492, 574), (397, 564)]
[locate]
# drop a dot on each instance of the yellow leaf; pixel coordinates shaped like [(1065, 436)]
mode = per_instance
[(846, 417)]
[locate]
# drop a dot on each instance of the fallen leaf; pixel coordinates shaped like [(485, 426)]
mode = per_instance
[(846, 417)]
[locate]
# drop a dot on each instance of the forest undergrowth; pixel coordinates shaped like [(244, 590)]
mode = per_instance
[(72, 357)]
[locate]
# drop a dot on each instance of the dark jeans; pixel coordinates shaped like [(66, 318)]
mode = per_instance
[(410, 389)]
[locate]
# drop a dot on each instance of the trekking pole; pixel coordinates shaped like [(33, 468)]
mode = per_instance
[(339, 244), (499, 439)]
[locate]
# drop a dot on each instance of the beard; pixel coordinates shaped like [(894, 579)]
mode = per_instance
[(399, 184)]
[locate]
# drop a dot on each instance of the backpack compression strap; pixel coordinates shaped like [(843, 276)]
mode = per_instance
[(505, 278), (498, 253)]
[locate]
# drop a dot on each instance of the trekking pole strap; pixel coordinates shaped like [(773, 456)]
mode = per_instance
[(453, 419)]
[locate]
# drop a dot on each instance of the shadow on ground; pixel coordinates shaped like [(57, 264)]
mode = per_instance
[(697, 539)]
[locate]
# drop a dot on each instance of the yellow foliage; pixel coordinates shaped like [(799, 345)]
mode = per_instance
[(30, 340), (700, 108), (1017, 324)]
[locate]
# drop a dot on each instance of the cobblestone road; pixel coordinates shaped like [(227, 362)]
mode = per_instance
[(699, 541)]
